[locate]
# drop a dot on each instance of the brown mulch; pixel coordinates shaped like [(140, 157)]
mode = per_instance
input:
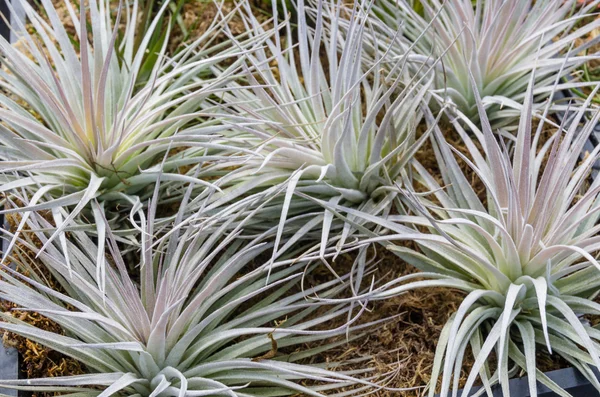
[(402, 351), (197, 16)]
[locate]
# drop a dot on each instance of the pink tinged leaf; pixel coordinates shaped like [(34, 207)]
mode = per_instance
[(526, 244), (541, 290), (102, 84), (486, 349), (523, 152), (157, 339), (162, 385), (58, 219), (98, 210), (291, 187), (514, 293), (327, 221), (89, 193)]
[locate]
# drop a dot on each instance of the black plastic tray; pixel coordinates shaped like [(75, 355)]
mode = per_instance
[(569, 379)]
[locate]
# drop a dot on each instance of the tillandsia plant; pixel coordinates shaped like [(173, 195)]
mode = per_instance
[(500, 42), (79, 133), (525, 254), (196, 319), (320, 123)]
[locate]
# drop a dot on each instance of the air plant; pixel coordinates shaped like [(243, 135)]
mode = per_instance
[(500, 42), (525, 254), (200, 320), (320, 123), (83, 133)]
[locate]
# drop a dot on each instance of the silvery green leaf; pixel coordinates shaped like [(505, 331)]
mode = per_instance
[(81, 123), (524, 250), (323, 125), (212, 317)]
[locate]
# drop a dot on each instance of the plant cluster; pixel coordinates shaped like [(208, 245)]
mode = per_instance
[(185, 198), (499, 42)]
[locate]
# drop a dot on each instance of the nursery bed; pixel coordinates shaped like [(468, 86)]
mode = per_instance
[(401, 351), (403, 348)]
